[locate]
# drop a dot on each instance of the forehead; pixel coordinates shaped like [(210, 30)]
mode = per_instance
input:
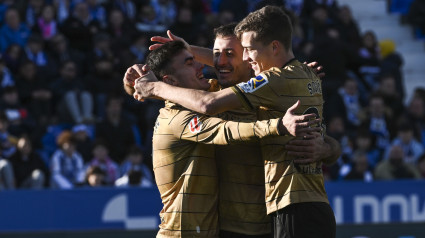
[(227, 42), (248, 38), (181, 57)]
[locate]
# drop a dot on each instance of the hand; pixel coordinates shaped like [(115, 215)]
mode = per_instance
[(316, 68), (129, 79), (143, 86), (298, 126), (313, 149), (162, 40)]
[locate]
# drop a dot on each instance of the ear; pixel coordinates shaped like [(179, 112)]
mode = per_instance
[(169, 79), (276, 46)]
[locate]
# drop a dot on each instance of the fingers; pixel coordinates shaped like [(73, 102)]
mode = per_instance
[(293, 107), (154, 46), (139, 68), (160, 39)]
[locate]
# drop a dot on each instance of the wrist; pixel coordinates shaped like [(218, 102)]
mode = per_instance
[(281, 128)]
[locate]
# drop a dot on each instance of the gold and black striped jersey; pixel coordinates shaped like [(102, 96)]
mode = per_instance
[(185, 168), (278, 89), (241, 184)]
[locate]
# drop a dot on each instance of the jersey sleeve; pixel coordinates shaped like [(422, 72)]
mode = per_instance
[(212, 130), (258, 91)]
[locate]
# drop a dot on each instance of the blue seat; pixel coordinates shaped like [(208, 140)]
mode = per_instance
[(400, 6)]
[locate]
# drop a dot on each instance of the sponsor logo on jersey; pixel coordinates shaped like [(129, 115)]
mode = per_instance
[(195, 125), (253, 84)]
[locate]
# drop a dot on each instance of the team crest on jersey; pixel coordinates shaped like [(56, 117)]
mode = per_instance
[(195, 125), (253, 84)]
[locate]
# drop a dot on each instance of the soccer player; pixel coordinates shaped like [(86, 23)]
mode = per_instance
[(295, 194), (184, 165)]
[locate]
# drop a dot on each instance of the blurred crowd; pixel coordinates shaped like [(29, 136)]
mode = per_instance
[(66, 122)]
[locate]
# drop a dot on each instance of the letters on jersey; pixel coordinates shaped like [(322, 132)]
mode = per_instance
[(195, 125), (253, 84)]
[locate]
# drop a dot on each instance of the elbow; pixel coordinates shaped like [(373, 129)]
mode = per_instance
[(208, 107)]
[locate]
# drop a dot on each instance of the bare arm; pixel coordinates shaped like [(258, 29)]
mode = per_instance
[(209, 103)]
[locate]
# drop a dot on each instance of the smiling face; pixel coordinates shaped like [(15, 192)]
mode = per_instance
[(256, 53), (187, 72), (228, 61)]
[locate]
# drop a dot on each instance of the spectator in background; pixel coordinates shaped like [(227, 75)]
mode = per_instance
[(364, 143), (120, 30), (102, 160), (95, 177), (46, 24), (19, 119), (360, 169), (391, 63), (60, 52), (66, 166), (101, 48), (347, 27), (116, 129), (32, 9), (166, 11), (347, 104), (412, 149), (395, 167), (83, 140), (379, 123), (30, 171), (13, 31), (148, 21), (102, 81), (126, 6), (62, 9), (79, 28), (97, 12), (12, 58), (35, 52), (34, 92), (134, 171), (388, 89), (415, 112), (369, 65), (73, 101)]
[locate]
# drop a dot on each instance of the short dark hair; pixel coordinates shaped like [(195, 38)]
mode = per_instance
[(270, 23), (159, 60), (225, 30)]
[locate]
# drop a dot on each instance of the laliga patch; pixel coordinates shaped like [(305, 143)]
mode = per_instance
[(195, 125), (253, 84)]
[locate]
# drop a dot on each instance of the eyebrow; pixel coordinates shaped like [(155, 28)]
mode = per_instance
[(225, 49), (189, 58)]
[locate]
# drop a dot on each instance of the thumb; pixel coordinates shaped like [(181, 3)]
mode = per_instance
[(293, 107)]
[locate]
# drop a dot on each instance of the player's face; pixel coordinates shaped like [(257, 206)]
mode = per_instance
[(257, 54), (228, 61), (188, 72)]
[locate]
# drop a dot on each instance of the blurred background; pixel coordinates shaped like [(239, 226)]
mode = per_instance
[(76, 150)]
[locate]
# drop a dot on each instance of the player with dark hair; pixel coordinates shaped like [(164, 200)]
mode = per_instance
[(184, 166)]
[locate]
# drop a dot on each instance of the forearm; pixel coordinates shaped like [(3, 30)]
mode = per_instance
[(204, 102), (334, 151), (203, 55)]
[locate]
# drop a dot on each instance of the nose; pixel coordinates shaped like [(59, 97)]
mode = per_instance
[(221, 59), (199, 66)]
